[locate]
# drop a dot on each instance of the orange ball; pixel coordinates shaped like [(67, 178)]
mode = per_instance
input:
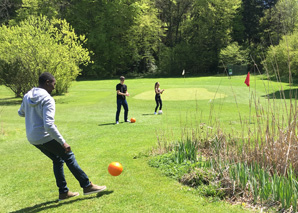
[(132, 120), (115, 168)]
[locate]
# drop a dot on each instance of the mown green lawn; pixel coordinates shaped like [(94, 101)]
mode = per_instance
[(86, 116)]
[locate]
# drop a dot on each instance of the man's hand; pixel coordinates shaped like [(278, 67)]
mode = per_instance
[(66, 147)]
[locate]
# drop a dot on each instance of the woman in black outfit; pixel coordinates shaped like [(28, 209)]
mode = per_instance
[(158, 91)]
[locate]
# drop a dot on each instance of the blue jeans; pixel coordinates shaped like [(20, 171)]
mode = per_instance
[(57, 154), (122, 102)]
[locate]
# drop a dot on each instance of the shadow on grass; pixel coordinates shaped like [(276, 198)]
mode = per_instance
[(55, 203), (10, 101), (147, 114), (285, 94), (106, 124)]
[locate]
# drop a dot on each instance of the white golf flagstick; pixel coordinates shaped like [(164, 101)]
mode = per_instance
[(183, 73)]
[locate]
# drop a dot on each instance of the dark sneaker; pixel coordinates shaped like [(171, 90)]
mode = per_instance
[(93, 189), (66, 195)]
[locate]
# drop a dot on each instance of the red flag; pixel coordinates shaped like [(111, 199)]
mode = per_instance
[(247, 79)]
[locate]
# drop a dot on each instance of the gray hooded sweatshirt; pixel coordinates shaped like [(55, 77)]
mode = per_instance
[(38, 108)]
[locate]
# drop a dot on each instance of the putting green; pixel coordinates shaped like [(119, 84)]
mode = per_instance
[(181, 94)]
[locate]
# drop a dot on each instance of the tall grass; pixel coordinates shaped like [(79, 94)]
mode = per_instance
[(261, 161), (264, 160), (1, 124), (262, 166), (186, 150)]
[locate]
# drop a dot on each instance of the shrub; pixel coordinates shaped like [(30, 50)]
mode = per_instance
[(199, 176), (282, 58), (167, 164), (38, 45), (234, 54)]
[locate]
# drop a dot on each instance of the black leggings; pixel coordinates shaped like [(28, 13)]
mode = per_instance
[(158, 102)]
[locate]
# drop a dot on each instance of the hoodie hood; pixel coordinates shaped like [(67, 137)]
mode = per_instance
[(36, 95)]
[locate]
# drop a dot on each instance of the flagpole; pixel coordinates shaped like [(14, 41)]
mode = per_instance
[(249, 106), (247, 82)]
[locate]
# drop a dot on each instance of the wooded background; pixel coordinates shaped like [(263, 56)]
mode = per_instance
[(164, 37)]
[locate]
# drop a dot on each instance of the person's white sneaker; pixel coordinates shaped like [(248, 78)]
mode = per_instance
[(160, 112), (155, 113), (117, 122)]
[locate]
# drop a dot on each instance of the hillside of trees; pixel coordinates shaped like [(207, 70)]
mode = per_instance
[(164, 37)]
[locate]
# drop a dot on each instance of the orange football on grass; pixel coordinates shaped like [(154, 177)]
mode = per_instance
[(132, 120), (115, 168)]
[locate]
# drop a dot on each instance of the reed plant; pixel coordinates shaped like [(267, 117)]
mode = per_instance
[(261, 161), (266, 187), (254, 181), (264, 163), (186, 150)]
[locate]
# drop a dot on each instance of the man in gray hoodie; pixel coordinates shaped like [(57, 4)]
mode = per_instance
[(38, 108)]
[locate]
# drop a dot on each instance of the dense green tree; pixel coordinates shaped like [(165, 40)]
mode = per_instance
[(48, 8), (38, 45), (283, 58), (124, 35), (173, 13), (238, 28), (247, 29), (8, 10), (279, 20), (142, 36), (234, 54), (252, 12), (205, 32)]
